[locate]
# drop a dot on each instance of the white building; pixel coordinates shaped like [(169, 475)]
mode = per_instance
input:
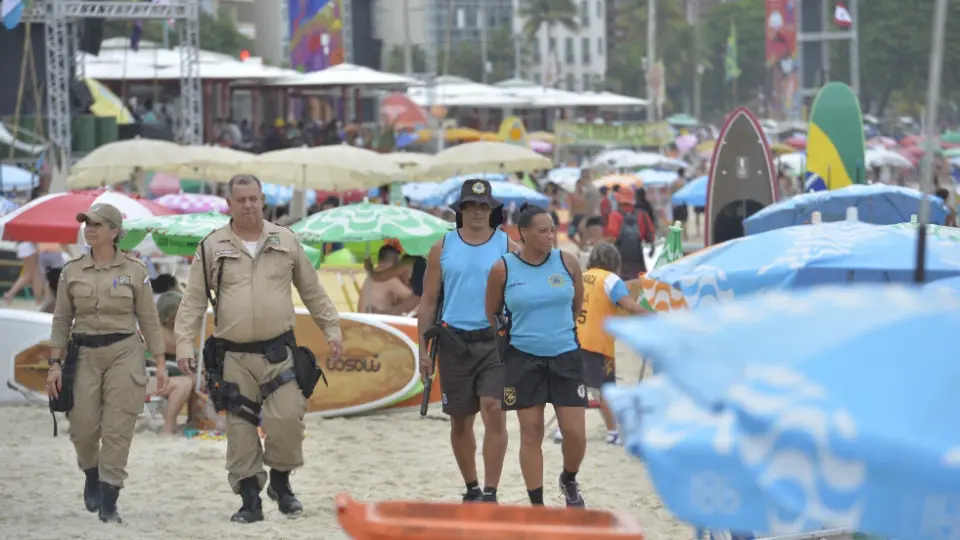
[(580, 57)]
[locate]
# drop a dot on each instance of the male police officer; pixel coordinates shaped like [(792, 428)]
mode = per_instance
[(251, 264)]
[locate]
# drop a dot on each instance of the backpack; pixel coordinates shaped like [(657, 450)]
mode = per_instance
[(630, 240)]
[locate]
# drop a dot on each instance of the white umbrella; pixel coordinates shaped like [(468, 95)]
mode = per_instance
[(880, 157), (484, 156), (118, 161), (335, 168), (213, 163)]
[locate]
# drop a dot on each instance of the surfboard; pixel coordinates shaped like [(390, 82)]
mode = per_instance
[(379, 367), (411, 402), (742, 178), (835, 140)]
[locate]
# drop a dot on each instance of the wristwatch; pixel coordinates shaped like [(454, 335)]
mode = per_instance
[(52, 361)]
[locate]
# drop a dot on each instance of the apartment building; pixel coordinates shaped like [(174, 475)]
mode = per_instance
[(264, 21), (435, 24), (579, 60)]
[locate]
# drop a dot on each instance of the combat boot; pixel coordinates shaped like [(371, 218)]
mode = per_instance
[(252, 509), (91, 490), (281, 492), (108, 503)]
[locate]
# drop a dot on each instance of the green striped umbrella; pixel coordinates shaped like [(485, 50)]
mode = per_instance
[(365, 222), (180, 234), (937, 231)]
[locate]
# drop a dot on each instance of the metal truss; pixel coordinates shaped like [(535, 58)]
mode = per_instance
[(61, 17), (347, 22), (190, 120)]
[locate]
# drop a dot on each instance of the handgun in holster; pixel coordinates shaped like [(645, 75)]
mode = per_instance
[(502, 335), (443, 332)]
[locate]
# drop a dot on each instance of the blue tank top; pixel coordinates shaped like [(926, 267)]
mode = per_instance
[(464, 269), (539, 301)]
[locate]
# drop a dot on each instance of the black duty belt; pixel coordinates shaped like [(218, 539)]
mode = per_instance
[(96, 341), (474, 336), (256, 347)]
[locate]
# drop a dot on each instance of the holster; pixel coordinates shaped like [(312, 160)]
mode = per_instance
[(502, 336), (308, 372), (68, 378), (443, 334)]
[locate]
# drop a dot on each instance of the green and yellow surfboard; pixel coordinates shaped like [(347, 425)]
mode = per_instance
[(835, 140)]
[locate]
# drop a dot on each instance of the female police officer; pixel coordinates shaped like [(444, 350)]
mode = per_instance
[(101, 298), (542, 290)]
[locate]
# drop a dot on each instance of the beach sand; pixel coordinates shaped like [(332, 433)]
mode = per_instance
[(177, 487)]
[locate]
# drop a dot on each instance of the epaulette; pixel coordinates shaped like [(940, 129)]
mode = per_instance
[(73, 260), (134, 258)]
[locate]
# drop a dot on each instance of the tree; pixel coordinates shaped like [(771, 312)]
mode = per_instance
[(395, 60), (466, 59), (217, 34), (749, 16), (548, 14)]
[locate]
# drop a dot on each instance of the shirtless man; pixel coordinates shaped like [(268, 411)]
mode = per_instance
[(584, 203), (389, 297)]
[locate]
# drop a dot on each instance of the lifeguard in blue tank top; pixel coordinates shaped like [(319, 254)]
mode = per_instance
[(464, 270), (539, 301)]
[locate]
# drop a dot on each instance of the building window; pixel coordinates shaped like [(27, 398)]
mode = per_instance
[(571, 82), (599, 46), (569, 52), (600, 9), (584, 13), (587, 85), (585, 51), (535, 45)]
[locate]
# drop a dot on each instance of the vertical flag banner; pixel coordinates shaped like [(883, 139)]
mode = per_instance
[(841, 17), (11, 11), (783, 66), (731, 67)]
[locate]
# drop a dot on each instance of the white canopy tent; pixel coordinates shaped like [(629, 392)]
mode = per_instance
[(346, 75)]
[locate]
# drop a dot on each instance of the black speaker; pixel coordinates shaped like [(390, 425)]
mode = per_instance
[(80, 97), (91, 36)]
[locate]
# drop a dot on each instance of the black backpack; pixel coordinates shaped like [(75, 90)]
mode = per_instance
[(630, 240)]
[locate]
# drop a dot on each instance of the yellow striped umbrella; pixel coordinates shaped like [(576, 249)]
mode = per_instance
[(106, 103)]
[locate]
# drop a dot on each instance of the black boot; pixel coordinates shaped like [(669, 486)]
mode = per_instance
[(252, 509), (91, 490), (108, 503), (280, 491)]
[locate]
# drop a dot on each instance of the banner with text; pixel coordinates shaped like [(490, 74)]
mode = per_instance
[(626, 134)]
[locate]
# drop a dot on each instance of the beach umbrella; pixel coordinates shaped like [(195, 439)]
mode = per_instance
[(191, 203), (484, 156), (565, 177), (335, 167), (180, 234), (13, 179), (162, 184), (627, 180), (417, 231), (952, 152), (657, 179), (796, 162), (275, 195), (682, 120), (880, 204), (7, 206), (949, 285), (756, 426), (510, 194), (53, 218), (213, 163), (452, 185), (806, 256), (951, 234), (797, 141), (880, 157), (119, 161), (693, 194), (106, 103), (418, 191)]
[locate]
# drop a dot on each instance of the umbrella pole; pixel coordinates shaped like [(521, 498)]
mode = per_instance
[(933, 97)]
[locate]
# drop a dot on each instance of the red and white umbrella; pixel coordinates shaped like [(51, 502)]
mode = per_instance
[(53, 218)]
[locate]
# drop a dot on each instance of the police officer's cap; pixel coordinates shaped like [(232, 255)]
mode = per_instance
[(476, 190), (102, 213)]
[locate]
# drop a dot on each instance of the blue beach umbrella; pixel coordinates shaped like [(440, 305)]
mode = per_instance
[(752, 425), (879, 204), (14, 179), (510, 195), (275, 195), (808, 255), (692, 194)]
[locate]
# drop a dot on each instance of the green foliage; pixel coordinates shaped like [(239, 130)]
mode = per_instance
[(217, 34), (395, 61), (550, 13), (466, 59)]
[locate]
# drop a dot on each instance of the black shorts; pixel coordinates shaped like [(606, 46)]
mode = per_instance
[(530, 381), (465, 378), (574, 224), (680, 213), (598, 369)]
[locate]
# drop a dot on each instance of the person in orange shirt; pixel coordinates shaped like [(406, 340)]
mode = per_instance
[(604, 295)]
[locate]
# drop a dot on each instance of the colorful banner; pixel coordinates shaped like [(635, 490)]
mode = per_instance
[(629, 134), (316, 34), (782, 62)]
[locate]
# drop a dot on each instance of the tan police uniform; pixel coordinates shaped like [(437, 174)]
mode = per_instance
[(99, 306), (255, 304)]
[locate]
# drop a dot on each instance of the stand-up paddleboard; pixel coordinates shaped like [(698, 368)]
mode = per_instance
[(835, 140), (412, 401), (24, 350), (742, 178), (379, 365)]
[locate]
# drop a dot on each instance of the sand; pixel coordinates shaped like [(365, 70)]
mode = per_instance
[(177, 487)]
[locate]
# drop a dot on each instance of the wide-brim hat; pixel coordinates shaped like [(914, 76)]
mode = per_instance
[(476, 190)]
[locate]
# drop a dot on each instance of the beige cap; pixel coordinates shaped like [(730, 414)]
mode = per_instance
[(102, 213)]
